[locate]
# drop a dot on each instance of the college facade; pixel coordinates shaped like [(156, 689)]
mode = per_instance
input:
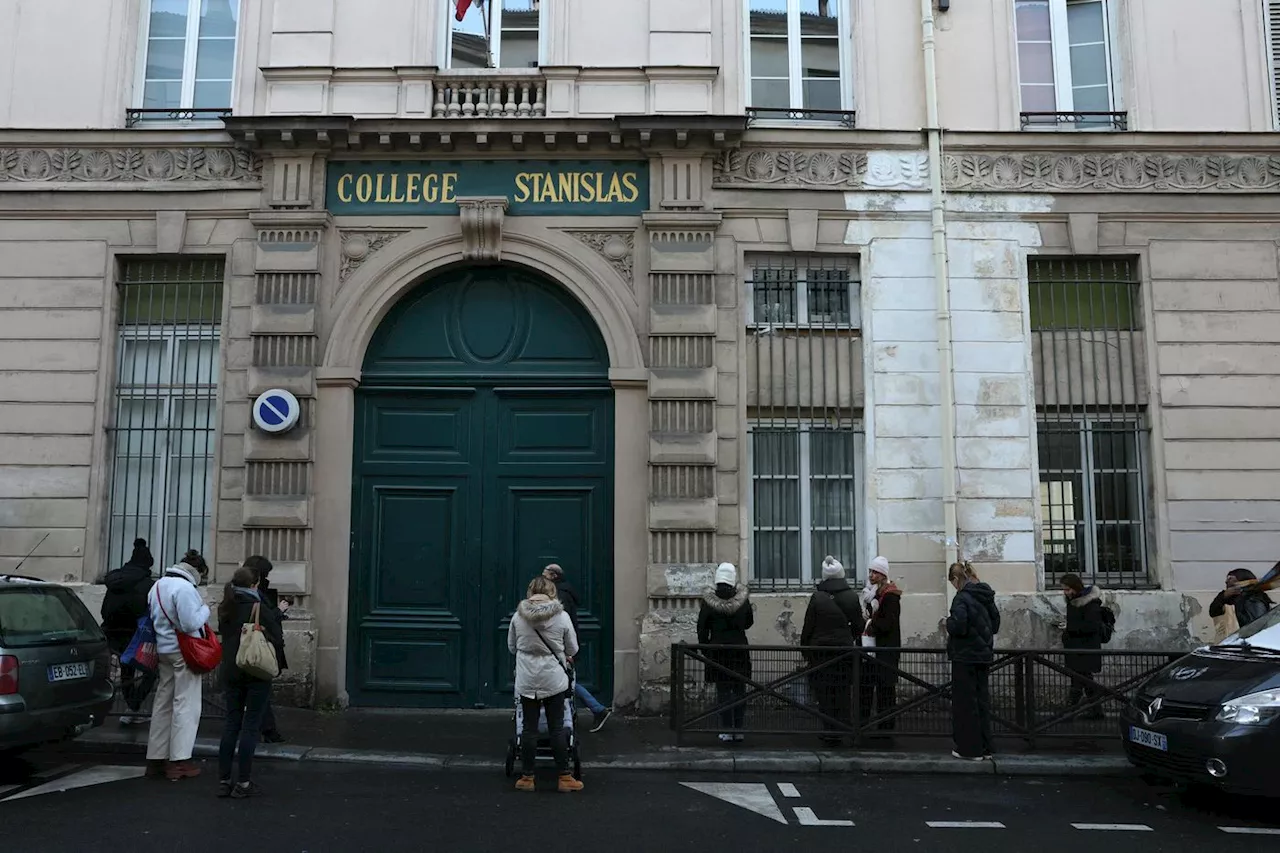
[(522, 327)]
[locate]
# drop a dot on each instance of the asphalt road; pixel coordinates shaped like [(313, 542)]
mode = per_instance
[(311, 807)]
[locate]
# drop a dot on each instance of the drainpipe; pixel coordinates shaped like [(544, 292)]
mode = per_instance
[(942, 279)]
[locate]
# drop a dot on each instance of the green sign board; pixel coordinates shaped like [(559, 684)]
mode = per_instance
[(531, 187)]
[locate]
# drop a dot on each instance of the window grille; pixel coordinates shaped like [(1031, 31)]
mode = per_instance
[(1091, 414), (805, 429), (165, 421), (1272, 15)]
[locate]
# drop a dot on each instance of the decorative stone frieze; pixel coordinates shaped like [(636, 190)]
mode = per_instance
[(359, 246), (129, 165), (616, 247), (790, 167)]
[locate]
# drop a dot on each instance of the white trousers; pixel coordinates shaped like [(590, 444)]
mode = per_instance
[(175, 717)]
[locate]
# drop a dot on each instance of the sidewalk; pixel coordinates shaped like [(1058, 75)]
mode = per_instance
[(478, 740)]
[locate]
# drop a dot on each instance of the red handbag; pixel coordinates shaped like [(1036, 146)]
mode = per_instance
[(202, 653)]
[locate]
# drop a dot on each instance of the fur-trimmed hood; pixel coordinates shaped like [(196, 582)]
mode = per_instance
[(1089, 595), (540, 608), (726, 605)]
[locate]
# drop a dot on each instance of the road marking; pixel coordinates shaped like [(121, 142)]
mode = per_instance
[(964, 824), (83, 779), (788, 790), (4, 789), (807, 818), (752, 797), (1114, 827), (1249, 830)]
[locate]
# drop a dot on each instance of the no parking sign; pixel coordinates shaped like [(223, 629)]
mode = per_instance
[(276, 411)]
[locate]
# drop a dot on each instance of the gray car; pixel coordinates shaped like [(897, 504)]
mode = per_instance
[(55, 668)]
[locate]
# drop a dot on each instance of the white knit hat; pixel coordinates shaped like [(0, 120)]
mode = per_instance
[(726, 573), (831, 568), (881, 565)]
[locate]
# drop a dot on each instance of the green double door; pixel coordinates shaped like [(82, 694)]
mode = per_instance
[(472, 472)]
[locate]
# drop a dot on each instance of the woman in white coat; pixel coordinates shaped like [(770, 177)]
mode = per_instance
[(176, 605), (542, 639)]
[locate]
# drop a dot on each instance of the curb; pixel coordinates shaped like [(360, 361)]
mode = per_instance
[(686, 759)]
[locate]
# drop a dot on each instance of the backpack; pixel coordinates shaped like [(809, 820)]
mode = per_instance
[(1108, 624)]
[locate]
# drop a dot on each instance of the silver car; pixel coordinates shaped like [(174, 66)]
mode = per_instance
[(55, 668)]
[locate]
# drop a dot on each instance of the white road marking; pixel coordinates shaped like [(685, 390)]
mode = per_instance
[(1249, 830), (807, 818), (752, 797), (964, 824), (83, 779), (788, 790), (1114, 827), (4, 789)]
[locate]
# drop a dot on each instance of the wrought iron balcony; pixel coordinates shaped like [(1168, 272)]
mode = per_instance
[(1075, 121), (844, 118), (133, 118)]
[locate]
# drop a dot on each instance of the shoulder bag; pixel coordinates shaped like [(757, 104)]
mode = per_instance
[(202, 653), (256, 656)]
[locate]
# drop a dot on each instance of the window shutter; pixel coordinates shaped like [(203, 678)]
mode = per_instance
[(1273, 45)]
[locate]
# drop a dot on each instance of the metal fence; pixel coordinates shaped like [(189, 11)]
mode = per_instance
[(797, 690), (213, 705)]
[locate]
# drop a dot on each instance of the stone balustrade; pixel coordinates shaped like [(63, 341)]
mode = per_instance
[(492, 95)]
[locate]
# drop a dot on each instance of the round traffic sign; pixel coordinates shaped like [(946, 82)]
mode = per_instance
[(276, 411)]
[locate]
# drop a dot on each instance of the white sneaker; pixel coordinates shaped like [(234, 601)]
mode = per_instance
[(955, 754), (726, 738)]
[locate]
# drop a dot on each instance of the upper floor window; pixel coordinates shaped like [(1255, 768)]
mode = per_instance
[(494, 34), (798, 59), (189, 52), (1065, 65)]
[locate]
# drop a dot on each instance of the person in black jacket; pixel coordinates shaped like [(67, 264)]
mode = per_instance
[(1249, 602), (125, 603), (971, 629), (1083, 629), (270, 598), (246, 695), (884, 627), (568, 598), (724, 616), (833, 620)]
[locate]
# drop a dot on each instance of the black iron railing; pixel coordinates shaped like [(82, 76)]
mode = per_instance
[(1074, 121), (133, 118), (212, 703), (845, 118), (792, 690)]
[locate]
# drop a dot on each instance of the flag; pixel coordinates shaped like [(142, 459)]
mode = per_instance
[(463, 6), (1268, 582)]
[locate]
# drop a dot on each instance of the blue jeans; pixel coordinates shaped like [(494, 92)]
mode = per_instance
[(246, 702), (587, 699)]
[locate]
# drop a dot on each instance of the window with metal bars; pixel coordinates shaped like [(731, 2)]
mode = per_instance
[(165, 419), (804, 430), (1091, 416), (1271, 12)]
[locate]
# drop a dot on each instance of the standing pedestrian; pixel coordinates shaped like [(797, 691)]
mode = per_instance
[(833, 620), (971, 630), (247, 695), (124, 604), (1242, 593), (542, 639), (176, 606), (884, 627), (1084, 629), (270, 598), (568, 598), (724, 615)]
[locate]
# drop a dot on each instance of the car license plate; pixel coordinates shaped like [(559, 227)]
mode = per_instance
[(68, 671), (1151, 740)]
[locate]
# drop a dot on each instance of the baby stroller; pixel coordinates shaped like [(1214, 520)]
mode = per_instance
[(545, 753)]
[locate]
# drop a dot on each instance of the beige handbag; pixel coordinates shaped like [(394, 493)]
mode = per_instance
[(256, 657)]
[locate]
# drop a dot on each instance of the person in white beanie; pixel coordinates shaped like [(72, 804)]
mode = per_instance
[(724, 616), (833, 620), (884, 630)]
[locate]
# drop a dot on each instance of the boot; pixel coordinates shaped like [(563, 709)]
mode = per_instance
[(568, 784), (155, 768), (181, 770), (525, 783)]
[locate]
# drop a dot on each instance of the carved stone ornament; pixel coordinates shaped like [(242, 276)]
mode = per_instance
[(791, 168), (482, 227), (360, 246), (129, 165), (616, 247)]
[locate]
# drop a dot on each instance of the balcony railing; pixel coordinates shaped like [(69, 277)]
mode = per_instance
[(1075, 121), (133, 118), (495, 95), (844, 118)]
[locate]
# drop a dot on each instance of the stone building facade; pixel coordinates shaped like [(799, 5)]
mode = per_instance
[(674, 283)]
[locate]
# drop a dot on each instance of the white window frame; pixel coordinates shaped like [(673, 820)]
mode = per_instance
[(1063, 90), (493, 8), (803, 320), (808, 571), (192, 47), (795, 76)]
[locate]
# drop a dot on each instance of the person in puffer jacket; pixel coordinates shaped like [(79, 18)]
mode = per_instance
[(833, 620), (724, 617), (542, 639), (971, 630), (124, 604)]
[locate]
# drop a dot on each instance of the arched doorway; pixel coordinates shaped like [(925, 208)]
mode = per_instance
[(483, 450)]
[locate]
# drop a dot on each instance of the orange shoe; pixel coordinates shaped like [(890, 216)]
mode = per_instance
[(525, 783), (569, 785)]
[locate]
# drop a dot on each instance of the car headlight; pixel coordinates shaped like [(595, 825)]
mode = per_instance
[(1256, 709)]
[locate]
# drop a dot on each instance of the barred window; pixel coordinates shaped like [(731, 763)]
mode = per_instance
[(1091, 413), (802, 290), (165, 419)]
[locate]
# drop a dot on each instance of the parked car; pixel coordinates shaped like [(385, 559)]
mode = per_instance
[(1213, 717), (55, 669)]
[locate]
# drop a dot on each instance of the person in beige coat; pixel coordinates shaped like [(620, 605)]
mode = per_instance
[(542, 639)]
